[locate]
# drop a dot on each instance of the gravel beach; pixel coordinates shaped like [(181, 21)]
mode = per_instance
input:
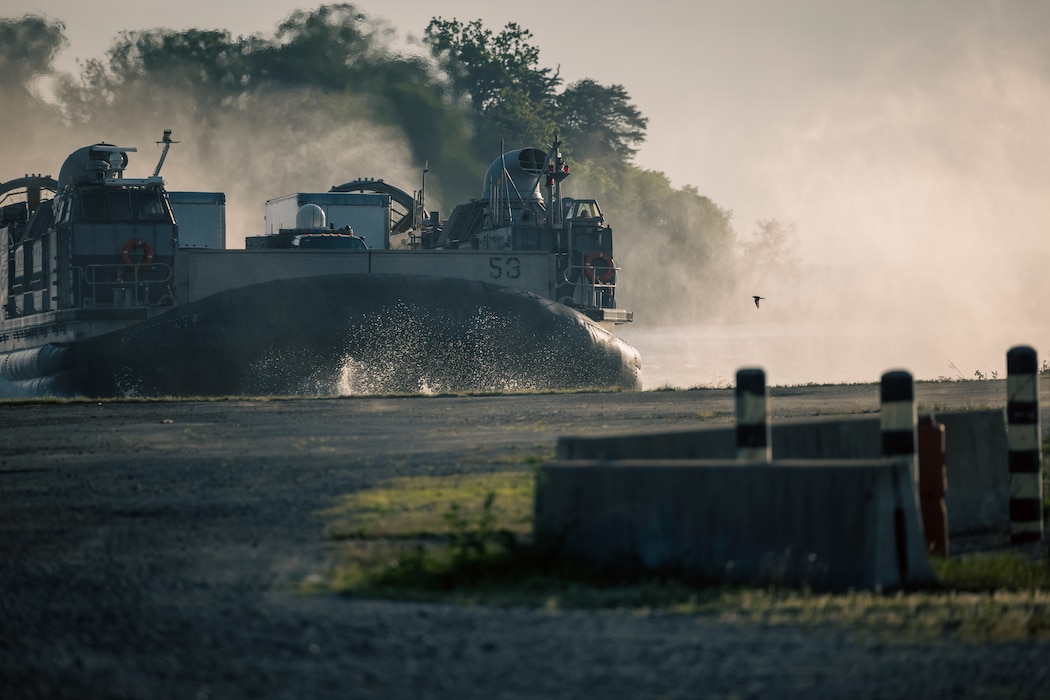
[(155, 549)]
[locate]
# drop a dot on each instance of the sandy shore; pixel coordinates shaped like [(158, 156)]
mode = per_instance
[(151, 550)]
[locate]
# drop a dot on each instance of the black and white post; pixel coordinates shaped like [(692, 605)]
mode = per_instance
[(1024, 444), (898, 418), (752, 424)]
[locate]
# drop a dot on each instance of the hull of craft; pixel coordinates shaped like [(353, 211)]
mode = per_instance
[(349, 334)]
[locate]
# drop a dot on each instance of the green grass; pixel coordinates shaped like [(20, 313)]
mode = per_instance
[(993, 571), (466, 540), (419, 507)]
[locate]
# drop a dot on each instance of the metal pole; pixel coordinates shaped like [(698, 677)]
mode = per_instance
[(1024, 445), (417, 216), (897, 418), (753, 442)]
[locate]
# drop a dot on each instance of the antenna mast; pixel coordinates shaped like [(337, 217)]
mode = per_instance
[(166, 140), (417, 219)]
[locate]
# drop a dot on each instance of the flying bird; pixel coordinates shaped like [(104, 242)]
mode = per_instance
[(757, 299)]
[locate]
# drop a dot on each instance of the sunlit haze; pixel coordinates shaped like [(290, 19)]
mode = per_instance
[(907, 142)]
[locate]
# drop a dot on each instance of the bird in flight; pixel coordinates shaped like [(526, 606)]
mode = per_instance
[(757, 299)]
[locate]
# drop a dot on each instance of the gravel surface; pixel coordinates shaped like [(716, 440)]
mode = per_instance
[(154, 549)]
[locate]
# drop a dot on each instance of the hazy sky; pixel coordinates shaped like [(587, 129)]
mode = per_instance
[(845, 116), (857, 119), (898, 134)]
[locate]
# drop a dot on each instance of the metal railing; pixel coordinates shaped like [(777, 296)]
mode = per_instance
[(591, 292), (124, 286)]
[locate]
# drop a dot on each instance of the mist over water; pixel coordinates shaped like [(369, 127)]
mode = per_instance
[(916, 167), (803, 353), (842, 324)]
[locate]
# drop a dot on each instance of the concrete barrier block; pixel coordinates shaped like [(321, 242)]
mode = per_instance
[(978, 496), (851, 437), (830, 438), (830, 524), (978, 475), (702, 443)]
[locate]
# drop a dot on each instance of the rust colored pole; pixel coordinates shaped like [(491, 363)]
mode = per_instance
[(933, 484)]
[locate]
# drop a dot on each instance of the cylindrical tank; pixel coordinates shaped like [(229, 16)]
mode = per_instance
[(32, 363), (310, 216), (524, 167)]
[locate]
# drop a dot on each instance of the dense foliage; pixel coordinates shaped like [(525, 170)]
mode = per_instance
[(332, 90)]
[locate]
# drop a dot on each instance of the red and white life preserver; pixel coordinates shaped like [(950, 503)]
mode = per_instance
[(604, 270), (137, 254)]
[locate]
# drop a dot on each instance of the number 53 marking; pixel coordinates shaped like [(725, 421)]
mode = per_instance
[(509, 268)]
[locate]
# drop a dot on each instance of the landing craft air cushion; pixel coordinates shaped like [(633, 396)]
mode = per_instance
[(113, 286)]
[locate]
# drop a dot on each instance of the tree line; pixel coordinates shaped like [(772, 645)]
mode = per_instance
[(468, 88)]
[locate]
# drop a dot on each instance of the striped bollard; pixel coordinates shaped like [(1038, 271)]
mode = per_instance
[(752, 425), (1024, 444), (897, 418)]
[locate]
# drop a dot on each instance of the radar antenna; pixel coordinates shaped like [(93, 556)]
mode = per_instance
[(166, 140)]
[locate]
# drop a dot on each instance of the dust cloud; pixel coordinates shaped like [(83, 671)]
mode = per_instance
[(917, 184), (278, 143)]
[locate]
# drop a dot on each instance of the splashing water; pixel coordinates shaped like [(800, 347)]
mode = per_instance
[(411, 350)]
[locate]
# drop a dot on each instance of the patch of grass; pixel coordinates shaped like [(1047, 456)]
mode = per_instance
[(499, 569), (992, 571), (923, 409), (417, 507), (466, 540), (900, 617), (1046, 479), (531, 457), (708, 415)]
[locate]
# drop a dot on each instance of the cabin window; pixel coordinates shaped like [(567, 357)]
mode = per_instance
[(94, 207), (122, 206), (585, 209), (150, 207)]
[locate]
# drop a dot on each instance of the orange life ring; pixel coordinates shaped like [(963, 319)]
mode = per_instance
[(604, 272), (141, 260)]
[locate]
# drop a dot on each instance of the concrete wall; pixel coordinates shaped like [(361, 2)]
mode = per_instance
[(833, 524), (978, 497), (840, 438), (978, 476)]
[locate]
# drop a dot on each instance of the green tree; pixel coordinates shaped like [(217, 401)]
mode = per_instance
[(28, 47), (208, 58), (770, 246), (149, 73), (498, 75), (335, 47), (599, 121), (513, 98), (318, 73)]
